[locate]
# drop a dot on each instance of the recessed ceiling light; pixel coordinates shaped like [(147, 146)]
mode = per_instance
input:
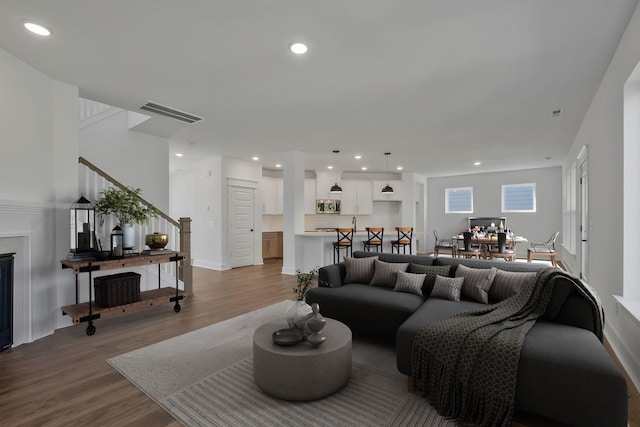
[(179, 154), (399, 168), (37, 29), (477, 163), (364, 168), (298, 48), (329, 167), (255, 158), (357, 157), (278, 165)]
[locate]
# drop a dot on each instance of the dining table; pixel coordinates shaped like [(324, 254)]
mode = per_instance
[(486, 241)]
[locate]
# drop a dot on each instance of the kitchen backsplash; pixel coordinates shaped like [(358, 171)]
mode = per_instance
[(311, 222), (385, 215)]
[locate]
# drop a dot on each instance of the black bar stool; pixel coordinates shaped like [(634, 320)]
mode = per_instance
[(374, 238), (405, 235), (345, 241)]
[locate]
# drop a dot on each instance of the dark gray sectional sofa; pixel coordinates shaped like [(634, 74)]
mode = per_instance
[(565, 374)]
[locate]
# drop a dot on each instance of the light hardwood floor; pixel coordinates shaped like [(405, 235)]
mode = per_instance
[(64, 379)]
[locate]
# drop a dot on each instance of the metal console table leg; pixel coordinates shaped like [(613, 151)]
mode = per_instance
[(177, 298)]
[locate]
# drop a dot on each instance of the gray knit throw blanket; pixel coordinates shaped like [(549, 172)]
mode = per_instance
[(468, 363)]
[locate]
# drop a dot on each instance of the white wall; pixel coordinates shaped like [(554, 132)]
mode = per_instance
[(38, 183), (206, 218), (206, 204), (487, 194), (602, 132), (181, 197), (135, 159)]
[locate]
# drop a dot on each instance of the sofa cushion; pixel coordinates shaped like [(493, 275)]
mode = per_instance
[(507, 283), (359, 270), (388, 257), (561, 290), (431, 271), (433, 309), (409, 282), (447, 288), (482, 263), (372, 310), (385, 273), (477, 282)]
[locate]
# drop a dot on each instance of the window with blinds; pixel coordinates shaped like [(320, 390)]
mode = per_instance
[(519, 198), (458, 200)]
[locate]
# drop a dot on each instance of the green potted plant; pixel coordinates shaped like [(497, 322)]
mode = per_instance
[(126, 206), (305, 281), (300, 311)]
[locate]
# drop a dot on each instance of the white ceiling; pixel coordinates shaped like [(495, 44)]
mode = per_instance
[(438, 83)]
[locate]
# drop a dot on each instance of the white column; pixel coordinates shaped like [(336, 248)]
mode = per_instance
[(293, 208)]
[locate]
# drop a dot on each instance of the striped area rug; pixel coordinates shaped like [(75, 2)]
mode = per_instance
[(231, 398), (205, 378)]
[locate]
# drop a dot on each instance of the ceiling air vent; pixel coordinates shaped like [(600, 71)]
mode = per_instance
[(163, 110)]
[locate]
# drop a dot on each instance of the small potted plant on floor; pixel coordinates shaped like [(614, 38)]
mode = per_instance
[(300, 311), (125, 205)]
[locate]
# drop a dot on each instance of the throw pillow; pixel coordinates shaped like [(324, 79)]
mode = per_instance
[(477, 282), (447, 288), (359, 270), (508, 283), (561, 291), (385, 273), (409, 282), (431, 272)]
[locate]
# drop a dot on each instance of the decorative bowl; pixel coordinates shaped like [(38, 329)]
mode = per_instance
[(156, 240), (287, 337)]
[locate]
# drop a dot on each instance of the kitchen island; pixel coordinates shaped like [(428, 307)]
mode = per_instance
[(315, 248)]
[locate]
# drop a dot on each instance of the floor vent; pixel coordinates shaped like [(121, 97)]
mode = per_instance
[(163, 110)]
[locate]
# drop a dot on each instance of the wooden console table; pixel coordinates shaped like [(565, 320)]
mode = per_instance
[(88, 311)]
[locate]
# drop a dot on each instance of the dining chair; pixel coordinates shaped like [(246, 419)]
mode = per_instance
[(545, 249), (501, 250), (374, 238), (344, 241), (405, 236), (468, 250), (443, 245)]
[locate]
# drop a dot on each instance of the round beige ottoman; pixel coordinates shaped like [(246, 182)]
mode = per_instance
[(301, 372)]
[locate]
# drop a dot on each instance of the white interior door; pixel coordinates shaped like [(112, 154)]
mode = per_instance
[(584, 221), (241, 228)]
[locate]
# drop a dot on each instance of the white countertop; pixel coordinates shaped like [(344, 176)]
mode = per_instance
[(317, 234), (359, 233)]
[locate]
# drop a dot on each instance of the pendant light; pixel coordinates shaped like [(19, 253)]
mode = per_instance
[(336, 189), (387, 188)]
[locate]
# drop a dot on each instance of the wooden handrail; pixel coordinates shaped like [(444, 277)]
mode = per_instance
[(118, 184)]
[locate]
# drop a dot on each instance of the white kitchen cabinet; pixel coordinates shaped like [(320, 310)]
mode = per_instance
[(324, 182), (309, 196), (397, 186), (272, 195), (357, 197)]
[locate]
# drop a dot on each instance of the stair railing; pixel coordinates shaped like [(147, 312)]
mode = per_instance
[(93, 180)]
